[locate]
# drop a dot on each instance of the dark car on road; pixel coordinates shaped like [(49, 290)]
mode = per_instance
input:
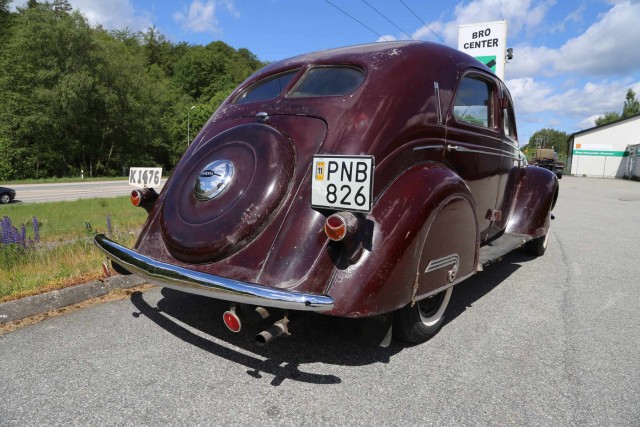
[(7, 195), (360, 182)]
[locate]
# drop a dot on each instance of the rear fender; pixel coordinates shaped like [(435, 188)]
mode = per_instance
[(385, 277), (535, 198)]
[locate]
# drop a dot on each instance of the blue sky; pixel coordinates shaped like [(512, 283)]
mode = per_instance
[(573, 59)]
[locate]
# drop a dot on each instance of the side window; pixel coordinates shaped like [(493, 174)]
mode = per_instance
[(473, 102), (509, 122)]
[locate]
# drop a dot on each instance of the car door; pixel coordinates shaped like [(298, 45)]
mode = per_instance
[(474, 144), (512, 162)]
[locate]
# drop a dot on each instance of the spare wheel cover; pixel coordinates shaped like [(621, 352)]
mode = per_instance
[(199, 225)]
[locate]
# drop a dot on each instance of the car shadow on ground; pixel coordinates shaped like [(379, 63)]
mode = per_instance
[(314, 338), (473, 289)]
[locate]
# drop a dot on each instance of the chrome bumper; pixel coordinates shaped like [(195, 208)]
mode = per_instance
[(195, 282)]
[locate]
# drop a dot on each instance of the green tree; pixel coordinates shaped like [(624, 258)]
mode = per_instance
[(630, 108), (47, 89), (62, 6), (75, 97), (205, 71), (6, 19), (631, 105), (607, 118), (547, 138)]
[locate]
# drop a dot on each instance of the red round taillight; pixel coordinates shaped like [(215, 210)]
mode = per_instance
[(144, 198), (335, 227), (136, 198), (232, 321)]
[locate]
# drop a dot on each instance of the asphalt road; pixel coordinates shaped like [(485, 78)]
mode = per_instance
[(553, 341), (33, 193)]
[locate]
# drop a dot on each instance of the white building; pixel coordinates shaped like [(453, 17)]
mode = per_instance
[(608, 151)]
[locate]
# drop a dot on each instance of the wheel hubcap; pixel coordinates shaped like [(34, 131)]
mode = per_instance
[(432, 308)]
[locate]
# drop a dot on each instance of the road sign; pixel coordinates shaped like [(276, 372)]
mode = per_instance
[(487, 42)]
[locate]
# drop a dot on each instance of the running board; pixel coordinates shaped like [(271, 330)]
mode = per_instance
[(498, 248)]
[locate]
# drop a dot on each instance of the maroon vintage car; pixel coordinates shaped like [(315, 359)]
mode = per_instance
[(360, 182)]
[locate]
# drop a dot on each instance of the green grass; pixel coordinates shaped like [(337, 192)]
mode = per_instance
[(65, 254)]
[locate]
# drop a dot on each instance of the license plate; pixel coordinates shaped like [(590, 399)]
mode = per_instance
[(145, 177), (342, 182)]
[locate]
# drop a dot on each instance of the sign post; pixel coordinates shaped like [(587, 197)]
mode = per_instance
[(487, 42)]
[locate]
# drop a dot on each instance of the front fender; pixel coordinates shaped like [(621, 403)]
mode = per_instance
[(383, 279), (536, 196)]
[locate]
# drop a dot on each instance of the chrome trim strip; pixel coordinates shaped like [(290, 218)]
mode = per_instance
[(499, 153), (195, 282), (436, 264), (469, 150), (429, 147)]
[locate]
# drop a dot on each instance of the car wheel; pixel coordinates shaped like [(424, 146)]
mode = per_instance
[(418, 322), (559, 175), (5, 198), (537, 246)]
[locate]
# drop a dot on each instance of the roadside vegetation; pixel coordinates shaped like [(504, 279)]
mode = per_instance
[(81, 99), (48, 246)]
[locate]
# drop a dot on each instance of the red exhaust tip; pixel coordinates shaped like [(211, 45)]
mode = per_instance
[(232, 321)]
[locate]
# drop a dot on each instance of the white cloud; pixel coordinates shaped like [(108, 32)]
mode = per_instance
[(589, 121), (608, 47), (386, 38), (424, 33), (520, 14), (529, 95), (113, 14), (590, 100), (231, 7), (201, 15)]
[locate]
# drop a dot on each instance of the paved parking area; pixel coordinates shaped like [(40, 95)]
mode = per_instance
[(547, 341)]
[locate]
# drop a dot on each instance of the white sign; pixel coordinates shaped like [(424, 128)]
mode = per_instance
[(342, 182), (487, 42), (145, 177)]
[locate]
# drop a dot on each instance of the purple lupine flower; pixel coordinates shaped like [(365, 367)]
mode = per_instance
[(5, 234), (7, 230), (23, 236), (109, 228), (15, 234), (36, 230)]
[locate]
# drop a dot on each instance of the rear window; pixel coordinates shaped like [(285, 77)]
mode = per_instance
[(328, 81), (265, 89)]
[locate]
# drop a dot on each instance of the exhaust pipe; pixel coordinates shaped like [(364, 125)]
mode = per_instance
[(253, 315), (274, 331), (237, 315)]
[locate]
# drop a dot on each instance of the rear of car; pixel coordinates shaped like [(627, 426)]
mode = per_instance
[(326, 183)]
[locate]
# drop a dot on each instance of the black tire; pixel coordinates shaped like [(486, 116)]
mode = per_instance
[(559, 175), (418, 323), (537, 246), (5, 198)]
